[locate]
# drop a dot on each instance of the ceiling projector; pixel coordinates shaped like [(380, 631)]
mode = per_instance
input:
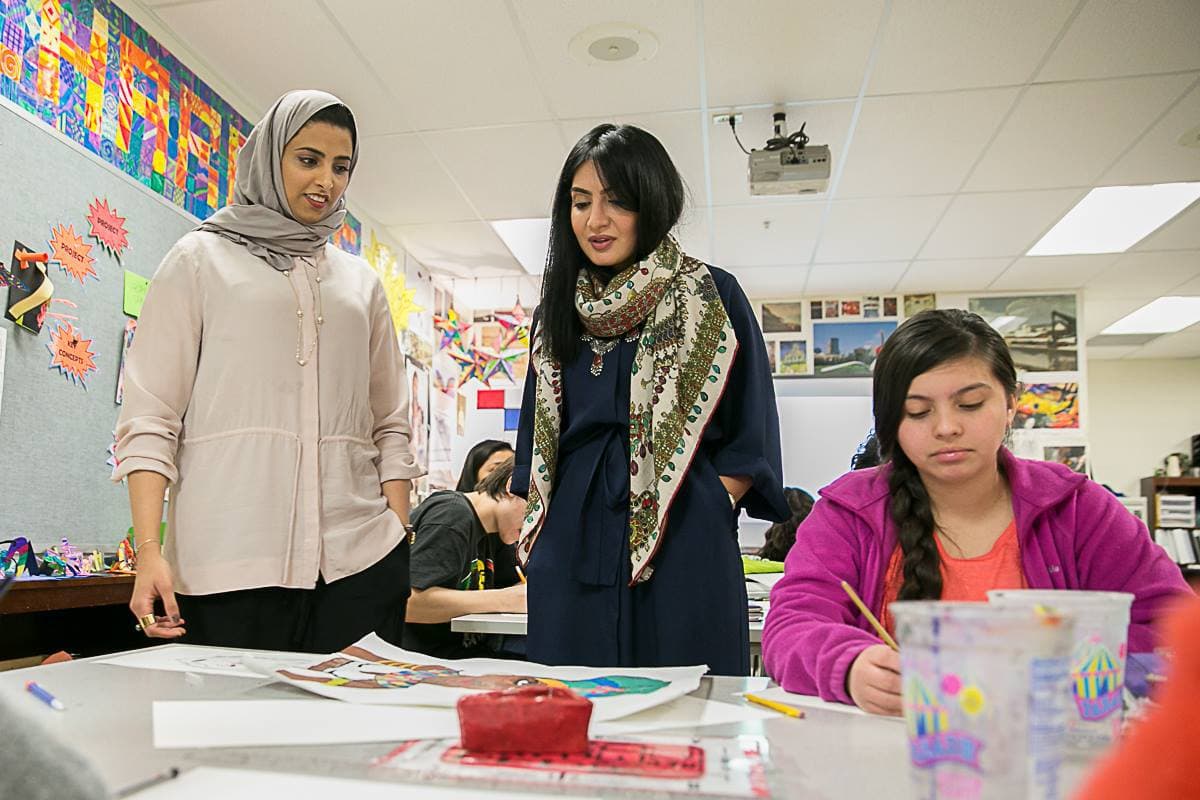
[(788, 164)]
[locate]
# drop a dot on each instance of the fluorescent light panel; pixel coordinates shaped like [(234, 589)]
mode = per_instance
[(527, 240), (1111, 219), (1164, 315)]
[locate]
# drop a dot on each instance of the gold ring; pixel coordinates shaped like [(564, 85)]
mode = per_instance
[(145, 621)]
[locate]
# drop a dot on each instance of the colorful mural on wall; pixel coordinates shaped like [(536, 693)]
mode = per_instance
[(86, 69)]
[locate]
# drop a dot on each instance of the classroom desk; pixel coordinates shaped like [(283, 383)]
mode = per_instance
[(86, 615), (59, 594), (828, 754)]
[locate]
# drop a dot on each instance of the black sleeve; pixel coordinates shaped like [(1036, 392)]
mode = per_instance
[(441, 548)]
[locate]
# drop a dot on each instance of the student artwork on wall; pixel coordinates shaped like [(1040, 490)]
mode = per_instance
[(891, 306), (85, 69), (851, 308), (772, 355), (126, 342), (848, 349), (30, 289), (349, 236), (916, 303), (871, 307), (1073, 456), (1048, 405), (786, 317), (815, 309), (461, 415), (833, 309), (793, 357), (418, 412), (1040, 329)]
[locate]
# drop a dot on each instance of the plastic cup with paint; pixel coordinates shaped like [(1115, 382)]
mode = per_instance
[(1096, 688), (983, 690)]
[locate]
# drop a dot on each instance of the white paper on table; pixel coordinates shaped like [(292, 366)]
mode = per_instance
[(401, 677), (205, 783), (685, 712), (808, 701), (206, 660), (767, 579), (266, 723)]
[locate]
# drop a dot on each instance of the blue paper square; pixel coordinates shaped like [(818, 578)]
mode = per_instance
[(512, 418)]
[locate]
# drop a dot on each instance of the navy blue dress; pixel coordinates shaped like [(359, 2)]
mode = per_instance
[(693, 608)]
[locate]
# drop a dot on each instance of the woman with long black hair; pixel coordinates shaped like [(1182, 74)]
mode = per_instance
[(648, 421)]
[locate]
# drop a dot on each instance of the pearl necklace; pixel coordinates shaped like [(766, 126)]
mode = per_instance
[(302, 359)]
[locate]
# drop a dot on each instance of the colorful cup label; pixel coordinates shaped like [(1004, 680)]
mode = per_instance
[(931, 740), (1096, 683)]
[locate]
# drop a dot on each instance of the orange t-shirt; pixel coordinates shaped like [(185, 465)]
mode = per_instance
[(963, 578)]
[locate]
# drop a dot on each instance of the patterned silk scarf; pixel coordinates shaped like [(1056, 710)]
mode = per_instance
[(684, 353)]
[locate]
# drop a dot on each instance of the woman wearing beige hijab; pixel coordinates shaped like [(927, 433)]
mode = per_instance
[(266, 387)]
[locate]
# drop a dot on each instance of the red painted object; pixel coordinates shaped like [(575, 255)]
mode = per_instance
[(528, 719)]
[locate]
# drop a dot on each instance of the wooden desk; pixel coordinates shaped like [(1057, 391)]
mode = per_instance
[(59, 594), (85, 616)]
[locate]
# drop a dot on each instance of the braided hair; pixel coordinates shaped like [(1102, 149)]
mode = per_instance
[(925, 341)]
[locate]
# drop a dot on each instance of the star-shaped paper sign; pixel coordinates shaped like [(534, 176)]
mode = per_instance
[(452, 329), (71, 354), (473, 363), (503, 363), (108, 228), (516, 327), (400, 299), (72, 253)]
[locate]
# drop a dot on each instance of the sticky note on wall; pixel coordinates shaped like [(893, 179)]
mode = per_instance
[(135, 293)]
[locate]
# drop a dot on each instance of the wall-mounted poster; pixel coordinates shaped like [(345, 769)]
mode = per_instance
[(418, 412), (793, 357), (814, 309), (848, 349), (1048, 405), (916, 303), (782, 317), (773, 355), (1073, 456), (833, 309), (870, 307), (851, 308), (890, 306), (1040, 329)]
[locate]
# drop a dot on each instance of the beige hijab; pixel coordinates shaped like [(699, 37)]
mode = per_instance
[(259, 218)]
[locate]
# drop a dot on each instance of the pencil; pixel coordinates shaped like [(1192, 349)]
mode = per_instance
[(520, 573), (883, 634), (782, 708)]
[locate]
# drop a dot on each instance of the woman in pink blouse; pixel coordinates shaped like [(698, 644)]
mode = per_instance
[(266, 387)]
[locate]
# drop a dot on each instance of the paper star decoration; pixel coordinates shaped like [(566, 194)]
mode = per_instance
[(452, 329), (72, 253), (400, 299), (473, 363)]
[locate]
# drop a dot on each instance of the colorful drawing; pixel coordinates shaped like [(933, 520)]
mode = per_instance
[(85, 69), (349, 236), (1040, 329), (30, 289), (851, 308), (916, 303), (72, 253), (1073, 456), (357, 668), (1048, 405), (643, 759), (107, 227), (930, 737), (400, 299), (793, 357), (1096, 684), (418, 413), (848, 349), (782, 317), (71, 354)]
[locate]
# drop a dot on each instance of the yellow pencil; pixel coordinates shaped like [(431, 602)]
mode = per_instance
[(882, 631), (520, 573), (782, 708)]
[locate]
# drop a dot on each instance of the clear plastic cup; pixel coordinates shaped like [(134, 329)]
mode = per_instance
[(1096, 689), (984, 690)]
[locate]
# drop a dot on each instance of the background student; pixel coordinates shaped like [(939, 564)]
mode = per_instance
[(457, 535), (951, 514)]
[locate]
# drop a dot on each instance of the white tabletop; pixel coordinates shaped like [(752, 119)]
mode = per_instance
[(515, 624)]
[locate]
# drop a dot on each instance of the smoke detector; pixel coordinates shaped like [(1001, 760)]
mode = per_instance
[(611, 42)]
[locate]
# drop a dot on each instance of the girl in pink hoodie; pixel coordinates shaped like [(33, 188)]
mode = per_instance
[(950, 514)]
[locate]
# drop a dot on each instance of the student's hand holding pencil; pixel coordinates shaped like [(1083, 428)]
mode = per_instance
[(874, 681)]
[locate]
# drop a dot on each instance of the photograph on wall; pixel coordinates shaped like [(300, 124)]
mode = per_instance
[(773, 355), (782, 317), (1073, 456), (418, 412), (916, 303), (870, 307), (890, 306), (851, 308), (1040, 329), (461, 414), (815, 308), (833, 309), (793, 357), (1048, 405), (848, 349)]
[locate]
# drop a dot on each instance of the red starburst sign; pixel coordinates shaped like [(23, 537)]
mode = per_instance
[(71, 354), (108, 228), (72, 253)]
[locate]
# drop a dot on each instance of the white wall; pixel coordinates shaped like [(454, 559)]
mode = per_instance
[(1141, 410)]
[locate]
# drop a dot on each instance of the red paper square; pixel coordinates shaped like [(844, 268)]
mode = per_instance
[(489, 398)]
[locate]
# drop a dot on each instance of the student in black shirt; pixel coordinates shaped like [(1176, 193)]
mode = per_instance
[(452, 572)]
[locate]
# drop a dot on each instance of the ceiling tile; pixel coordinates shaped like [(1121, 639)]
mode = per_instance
[(1188, 289), (954, 275), (250, 60), (994, 225), (1181, 233), (507, 172), (765, 235), (827, 123), (1069, 134), (1159, 157), (1101, 310), (462, 249), (874, 278), (449, 64), (1110, 353), (933, 45), (398, 181), (920, 144), (1032, 273), (774, 51), (1153, 274), (667, 82), (770, 282), (1127, 38), (896, 226), (1184, 344)]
